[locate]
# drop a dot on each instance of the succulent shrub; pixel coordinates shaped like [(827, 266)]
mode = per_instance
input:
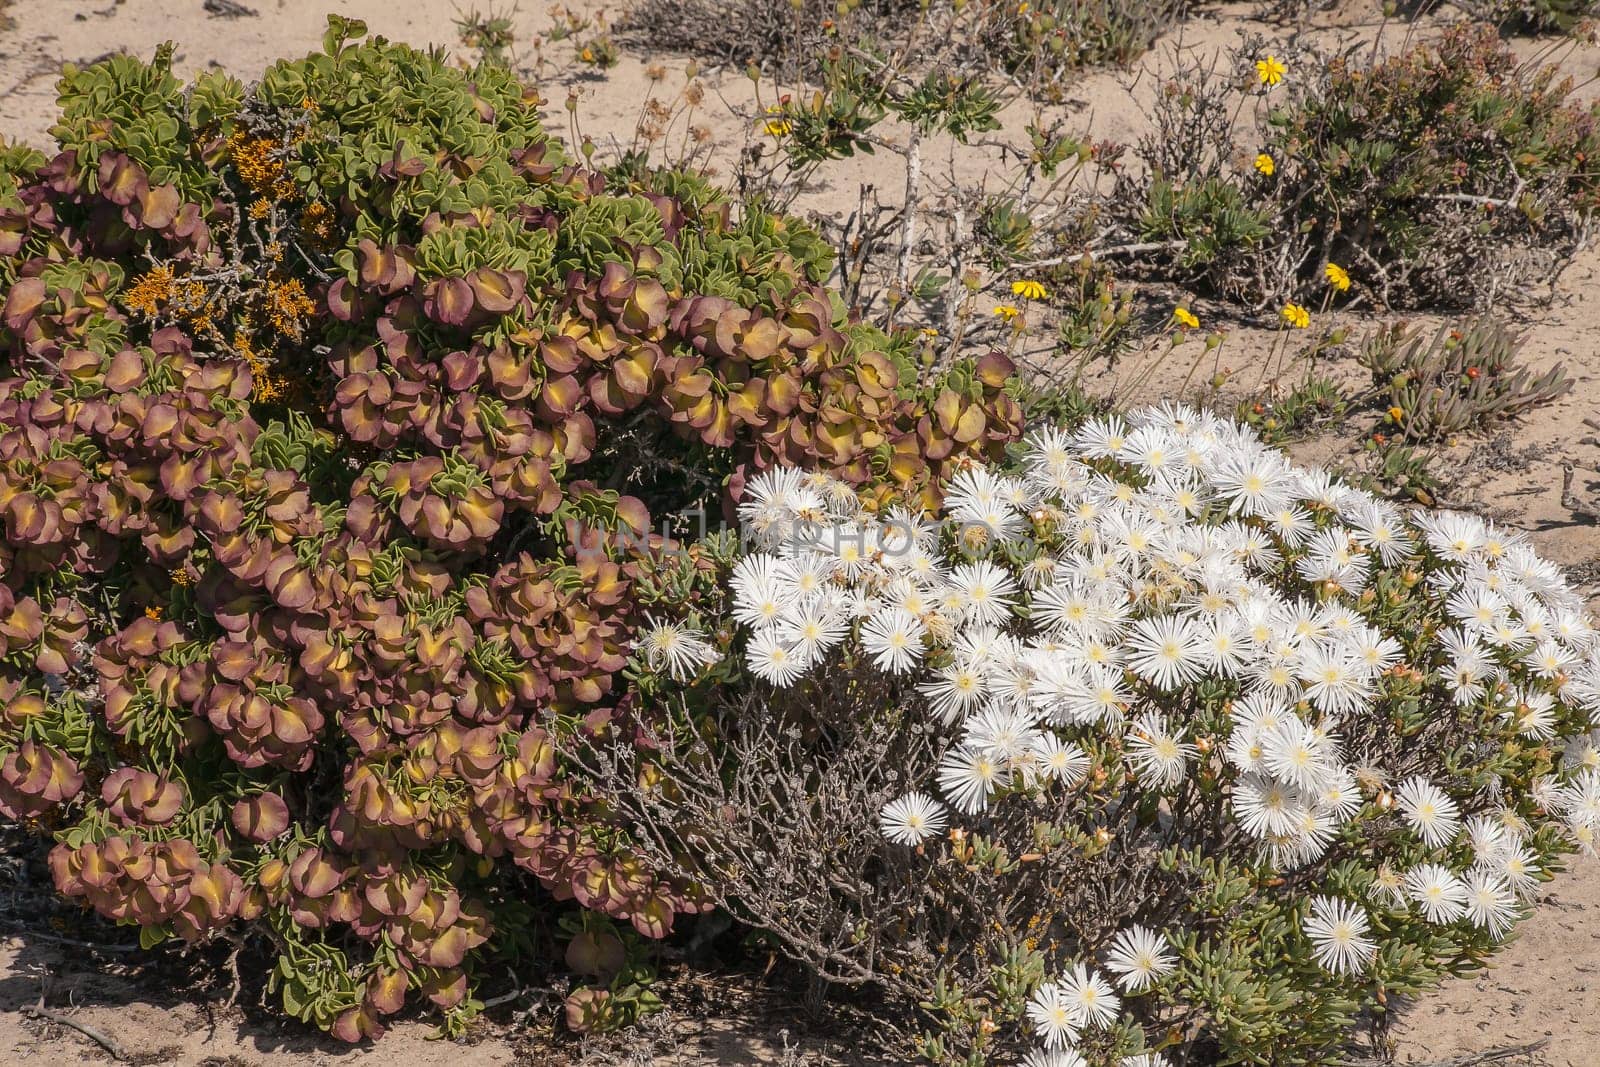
[(1536, 16), (1462, 377), (334, 415), (1316, 399), (1154, 745), (1045, 44), (1039, 44), (1448, 174)]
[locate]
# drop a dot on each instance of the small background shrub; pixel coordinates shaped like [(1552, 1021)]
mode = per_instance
[(1448, 175)]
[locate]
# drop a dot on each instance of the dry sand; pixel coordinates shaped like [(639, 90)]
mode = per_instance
[(1544, 986)]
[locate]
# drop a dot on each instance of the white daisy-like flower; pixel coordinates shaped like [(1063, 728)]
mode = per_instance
[(1058, 760), (1054, 1021), (1169, 650), (1440, 894), (1380, 528), (1139, 957), (1335, 680), (1102, 438), (1157, 752), (1007, 734), (1490, 902), (893, 639), (761, 591), (1520, 867), (955, 692), (1429, 811), (1452, 535), (912, 819), (1144, 1059), (1339, 796), (813, 627), (1489, 838), (1060, 1057), (1389, 887), (986, 592), (1255, 482), (1375, 652), (773, 660), (1089, 997), (1338, 931), (1297, 754), (968, 777), (679, 649)]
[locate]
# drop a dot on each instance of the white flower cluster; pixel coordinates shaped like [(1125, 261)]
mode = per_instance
[(1192, 553)]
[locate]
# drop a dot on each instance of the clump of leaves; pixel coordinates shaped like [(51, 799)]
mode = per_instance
[(991, 828), (1395, 469), (782, 38), (1313, 401), (491, 33), (1457, 379), (1096, 313)]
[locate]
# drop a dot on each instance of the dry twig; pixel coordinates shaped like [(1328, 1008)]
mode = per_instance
[(39, 1011)]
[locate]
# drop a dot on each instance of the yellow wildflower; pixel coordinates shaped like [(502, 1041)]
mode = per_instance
[(1396, 413), (1337, 277), (1028, 289), (1296, 316), (1007, 311), (154, 612), (1270, 70), (1185, 318), (778, 127), (1265, 165)]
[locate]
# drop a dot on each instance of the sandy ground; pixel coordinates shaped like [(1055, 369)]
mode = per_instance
[(1545, 985)]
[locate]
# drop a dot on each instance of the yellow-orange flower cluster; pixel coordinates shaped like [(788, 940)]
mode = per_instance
[(252, 158), (288, 306), (150, 291), (317, 222), (265, 387)]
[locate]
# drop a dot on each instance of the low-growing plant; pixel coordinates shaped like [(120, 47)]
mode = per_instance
[(1095, 312), (317, 401), (1392, 468), (1039, 45), (1053, 39), (1176, 749), (1313, 401), (1449, 174), (1535, 16), (491, 34), (1461, 378)]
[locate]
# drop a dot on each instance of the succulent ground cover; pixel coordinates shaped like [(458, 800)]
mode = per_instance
[(1151, 748), (319, 398)]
